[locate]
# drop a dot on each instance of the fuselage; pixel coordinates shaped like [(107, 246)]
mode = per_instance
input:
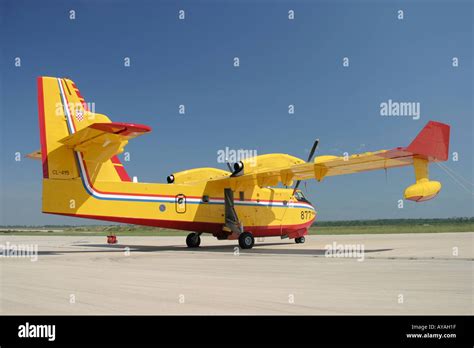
[(83, 177), (191, 207)]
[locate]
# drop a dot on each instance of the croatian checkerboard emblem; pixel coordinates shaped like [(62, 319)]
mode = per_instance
[(79, 114)]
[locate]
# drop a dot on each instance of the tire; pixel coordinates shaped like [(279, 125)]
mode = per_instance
[(193, 240), (300, 240), (246, 240)]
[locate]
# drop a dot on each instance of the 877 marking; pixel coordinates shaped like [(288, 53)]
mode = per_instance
[(306, 214)]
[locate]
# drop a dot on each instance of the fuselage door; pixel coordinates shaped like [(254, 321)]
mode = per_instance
[(180, 203)]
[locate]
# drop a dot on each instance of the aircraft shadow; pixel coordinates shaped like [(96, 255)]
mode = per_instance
[(257, 249)]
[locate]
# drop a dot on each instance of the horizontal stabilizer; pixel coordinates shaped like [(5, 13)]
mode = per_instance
[(36, 155), (100, 141), (95, 130)]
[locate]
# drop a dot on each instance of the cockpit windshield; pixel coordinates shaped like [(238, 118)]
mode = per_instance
[(300, 196)]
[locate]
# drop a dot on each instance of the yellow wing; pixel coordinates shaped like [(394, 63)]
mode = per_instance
[(430, 145)]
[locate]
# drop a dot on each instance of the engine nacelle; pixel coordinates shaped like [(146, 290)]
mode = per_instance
[(196, 175), (422, 191), (238, 168)]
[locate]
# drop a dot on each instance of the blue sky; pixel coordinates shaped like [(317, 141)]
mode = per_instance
[(282, 62)]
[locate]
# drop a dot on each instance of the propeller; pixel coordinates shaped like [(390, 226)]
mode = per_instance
[(310, 158)]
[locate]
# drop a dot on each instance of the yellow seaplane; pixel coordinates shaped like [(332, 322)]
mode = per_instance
[(83, 177)]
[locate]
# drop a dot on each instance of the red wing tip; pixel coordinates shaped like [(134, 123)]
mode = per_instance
[(432, 141), (438, 123)]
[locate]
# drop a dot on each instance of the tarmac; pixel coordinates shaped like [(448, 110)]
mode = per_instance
[(345, 274)]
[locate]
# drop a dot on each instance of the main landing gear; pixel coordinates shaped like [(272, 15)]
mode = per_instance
[(193, 240), (233, 224), (246, 240), (299, 240)]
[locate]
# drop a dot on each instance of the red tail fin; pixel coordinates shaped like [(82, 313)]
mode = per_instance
[(432, 142)]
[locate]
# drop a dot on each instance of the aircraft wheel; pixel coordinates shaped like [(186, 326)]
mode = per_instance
[(193, 240), (300, 240), (246, 240)]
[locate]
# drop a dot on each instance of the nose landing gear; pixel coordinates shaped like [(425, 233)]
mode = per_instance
[(299, 240)]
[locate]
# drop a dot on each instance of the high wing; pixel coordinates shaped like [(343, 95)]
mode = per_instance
[(430, 145)]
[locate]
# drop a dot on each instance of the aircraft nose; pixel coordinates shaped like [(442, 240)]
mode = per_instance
[(315, 211)]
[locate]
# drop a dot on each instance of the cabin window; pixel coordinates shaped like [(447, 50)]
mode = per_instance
[(241, 195), (205, 199)]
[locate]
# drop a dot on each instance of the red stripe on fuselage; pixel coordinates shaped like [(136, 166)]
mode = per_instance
[(115, 160), (42, 126), (195, 226), (122, 173)]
